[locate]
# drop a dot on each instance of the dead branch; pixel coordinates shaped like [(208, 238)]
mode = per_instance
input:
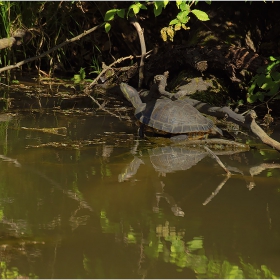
[(87, 90), (140, 32), (17, 65), (218, 160)]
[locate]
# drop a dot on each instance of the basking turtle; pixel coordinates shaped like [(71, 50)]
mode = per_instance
[(164, 116)]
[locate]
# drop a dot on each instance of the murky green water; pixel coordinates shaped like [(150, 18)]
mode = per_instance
[(114, 209)]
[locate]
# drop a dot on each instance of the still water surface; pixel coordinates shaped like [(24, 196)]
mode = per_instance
[(115, 207)]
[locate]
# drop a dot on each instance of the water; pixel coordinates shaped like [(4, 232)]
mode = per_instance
[(108, 206)]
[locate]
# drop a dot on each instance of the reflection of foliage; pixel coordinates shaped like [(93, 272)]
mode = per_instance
[(13, 272), (166, 243)]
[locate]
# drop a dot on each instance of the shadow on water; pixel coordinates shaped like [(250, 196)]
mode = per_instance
[(97, 203)]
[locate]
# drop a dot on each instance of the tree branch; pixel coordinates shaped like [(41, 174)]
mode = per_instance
[(17, 65)]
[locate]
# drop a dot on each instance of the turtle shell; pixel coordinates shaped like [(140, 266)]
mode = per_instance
[(175, 117)]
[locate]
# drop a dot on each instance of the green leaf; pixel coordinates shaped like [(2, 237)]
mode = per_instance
[(136, 8), (174, 21), (121, 13), (178, 3), (273, 90), (252, 88), (272, 65), (252, 98), (260, 80), (158, 5), (184, 7), (133, 8), (275, 76), (107, 27), (200, 15), (165, 2), (110, 14), (183, 17), (268, 84), (208, 2), (82, 73)]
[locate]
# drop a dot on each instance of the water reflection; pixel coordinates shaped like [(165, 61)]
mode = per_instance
[(100, 206)]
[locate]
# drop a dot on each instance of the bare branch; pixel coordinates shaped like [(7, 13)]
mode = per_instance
[(17, 65)]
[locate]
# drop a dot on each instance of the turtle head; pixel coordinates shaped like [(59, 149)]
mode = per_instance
[(131, 94)]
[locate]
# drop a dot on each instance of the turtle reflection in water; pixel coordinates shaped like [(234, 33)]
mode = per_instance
[(164, 116), (169, 159), (165, 160)]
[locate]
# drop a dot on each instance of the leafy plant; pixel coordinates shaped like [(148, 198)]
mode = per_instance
[(266, 83), (167, 33)]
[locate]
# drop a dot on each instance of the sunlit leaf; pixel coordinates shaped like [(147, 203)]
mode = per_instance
[(121, 13), (184, 7), (200, 15), (183, 17), (174, 21), (107, 27), (178, 3), (110, 14)]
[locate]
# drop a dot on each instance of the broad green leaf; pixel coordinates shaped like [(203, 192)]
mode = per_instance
[(110, 14), (275, 76), (143, 7), (183, 17), (107, 27), (268, 84), (252, 88), (184, 7), (272, 65), (260, 80), (158, 5), (252, 98), (208, 2), (136, 8), (200, 15), (273, 90), (121, 13), (165, 2), (260, 95), (178, 3), (174, 21)]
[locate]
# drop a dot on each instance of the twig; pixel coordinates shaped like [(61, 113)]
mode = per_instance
[(103, 109), (17, 65), (143, 50), (87, 89), (218, 160), (216, 191)]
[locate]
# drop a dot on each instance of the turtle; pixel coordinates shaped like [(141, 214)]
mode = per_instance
[(175, 118)]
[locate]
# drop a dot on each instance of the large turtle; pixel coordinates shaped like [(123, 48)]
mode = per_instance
[(165, 116)]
